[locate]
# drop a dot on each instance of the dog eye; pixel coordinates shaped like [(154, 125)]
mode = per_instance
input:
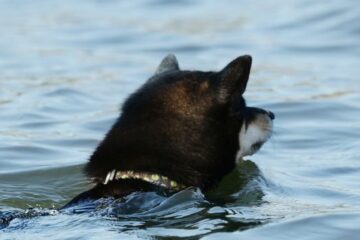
[(239, 107), (240, 102), (257, 146)]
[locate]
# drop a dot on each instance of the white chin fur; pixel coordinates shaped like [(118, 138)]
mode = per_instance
[(258, 131)]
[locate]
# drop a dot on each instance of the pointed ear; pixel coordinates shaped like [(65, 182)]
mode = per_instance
[(169, 63), (234, 77)]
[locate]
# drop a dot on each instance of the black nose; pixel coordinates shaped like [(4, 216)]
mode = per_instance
[(271, 115)]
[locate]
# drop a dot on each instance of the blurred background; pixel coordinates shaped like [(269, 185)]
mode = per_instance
[(66, 66)]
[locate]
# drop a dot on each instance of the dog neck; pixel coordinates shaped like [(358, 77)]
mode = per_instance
[(156, 179)]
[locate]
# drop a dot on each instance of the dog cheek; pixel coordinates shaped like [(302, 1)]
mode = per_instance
[(248, 137)]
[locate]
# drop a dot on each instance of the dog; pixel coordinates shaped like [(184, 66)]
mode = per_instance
[(179, 129)]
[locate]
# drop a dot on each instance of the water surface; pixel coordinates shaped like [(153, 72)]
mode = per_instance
[(65, 68)]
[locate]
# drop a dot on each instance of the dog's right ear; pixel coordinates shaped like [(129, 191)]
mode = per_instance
[(169, 63), (234, 78)]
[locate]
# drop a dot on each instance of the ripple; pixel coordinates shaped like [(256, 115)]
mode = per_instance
[(327, 226), (63, 74)]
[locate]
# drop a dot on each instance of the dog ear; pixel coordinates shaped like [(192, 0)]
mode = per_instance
[(169, 63), (234, 77)]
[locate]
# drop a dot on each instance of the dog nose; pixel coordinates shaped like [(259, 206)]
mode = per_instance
[(271, 115)]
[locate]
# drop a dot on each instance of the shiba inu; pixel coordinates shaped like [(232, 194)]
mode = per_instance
[(179, 129)]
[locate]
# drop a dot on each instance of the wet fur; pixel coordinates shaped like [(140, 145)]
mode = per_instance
[(180, 124)]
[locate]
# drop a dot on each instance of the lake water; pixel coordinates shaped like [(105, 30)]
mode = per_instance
[(66, 66)]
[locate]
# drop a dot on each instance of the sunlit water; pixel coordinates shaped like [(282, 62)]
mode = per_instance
[(65, 67)]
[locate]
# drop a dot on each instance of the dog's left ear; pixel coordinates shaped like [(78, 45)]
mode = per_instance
[(169, 63), (234, 78)]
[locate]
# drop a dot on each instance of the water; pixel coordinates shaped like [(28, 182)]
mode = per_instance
[(66, 66)]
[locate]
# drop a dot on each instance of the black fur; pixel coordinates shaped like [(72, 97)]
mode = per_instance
[(180, 124)]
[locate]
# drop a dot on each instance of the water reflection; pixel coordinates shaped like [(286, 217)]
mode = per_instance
[(225, 204), (65, 68)]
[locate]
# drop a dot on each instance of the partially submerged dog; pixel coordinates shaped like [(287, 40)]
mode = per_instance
[(180, 129)]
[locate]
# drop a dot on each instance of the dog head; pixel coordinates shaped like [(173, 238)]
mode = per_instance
[(190, 125), (227, 87)]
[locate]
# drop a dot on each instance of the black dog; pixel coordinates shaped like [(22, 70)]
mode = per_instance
[(180, 129)]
